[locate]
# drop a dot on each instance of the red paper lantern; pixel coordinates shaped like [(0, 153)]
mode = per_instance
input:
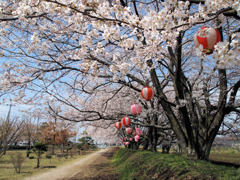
[(138, 131), (135, 108), (136, 138), (208, 38), (147, 93), (126, 121), (129, 130), (118, 125)]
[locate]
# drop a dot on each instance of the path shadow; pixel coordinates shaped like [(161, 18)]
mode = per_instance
[(26, 172), (49, 166), (110, 154), (226, 164)]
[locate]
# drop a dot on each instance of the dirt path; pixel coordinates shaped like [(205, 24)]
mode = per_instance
[(87, 168), (101, 168)]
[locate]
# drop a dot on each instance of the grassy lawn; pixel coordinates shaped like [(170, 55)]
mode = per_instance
[(221, 155), (225, 156), (29, 166)]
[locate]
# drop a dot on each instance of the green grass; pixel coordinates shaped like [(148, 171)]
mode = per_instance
[(225, 156), (133, 164), (7, 171)]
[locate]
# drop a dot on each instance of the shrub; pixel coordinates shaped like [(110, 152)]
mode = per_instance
[(17, 161), (31, 157), (38, 149), (49, 157)]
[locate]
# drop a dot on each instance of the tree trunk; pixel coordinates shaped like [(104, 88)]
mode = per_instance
[(53, 146), (153, 139), (54, 138), (29, 144), (181, 136), (165, 147), (145, 144), (135, 145), (28, 148), (217, 118), (204, 152), (38, 162)]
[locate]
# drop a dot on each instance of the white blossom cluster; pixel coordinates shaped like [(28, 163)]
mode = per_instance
[(102, 38), (156, 27), (228, 54), (215, 5)]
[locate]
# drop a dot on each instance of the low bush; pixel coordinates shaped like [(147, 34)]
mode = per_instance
[(49, 157), (135, 164), (17, 161)]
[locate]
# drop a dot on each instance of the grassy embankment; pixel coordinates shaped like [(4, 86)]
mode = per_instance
[(146, 165), (7, 171)]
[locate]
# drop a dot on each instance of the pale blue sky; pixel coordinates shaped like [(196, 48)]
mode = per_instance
[(15, 111)]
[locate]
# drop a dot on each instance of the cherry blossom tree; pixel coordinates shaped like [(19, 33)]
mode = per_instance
[(10, 129), (113, 106), (67, 50), (30, 132)]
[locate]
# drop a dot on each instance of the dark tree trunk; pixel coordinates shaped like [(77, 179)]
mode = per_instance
[(54, 139), (53, 146), (153, 139), (136, 145), (145, 144), (38, 162), (165, 147)]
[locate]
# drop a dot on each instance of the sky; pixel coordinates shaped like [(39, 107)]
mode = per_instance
[(15, 111)]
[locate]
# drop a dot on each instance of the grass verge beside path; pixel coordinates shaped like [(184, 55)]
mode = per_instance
[(101, 169), (137, 164)]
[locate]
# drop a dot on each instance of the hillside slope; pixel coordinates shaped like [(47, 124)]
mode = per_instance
[(137, 164)]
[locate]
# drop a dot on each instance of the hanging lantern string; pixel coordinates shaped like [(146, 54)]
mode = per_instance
[(166, 127)]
